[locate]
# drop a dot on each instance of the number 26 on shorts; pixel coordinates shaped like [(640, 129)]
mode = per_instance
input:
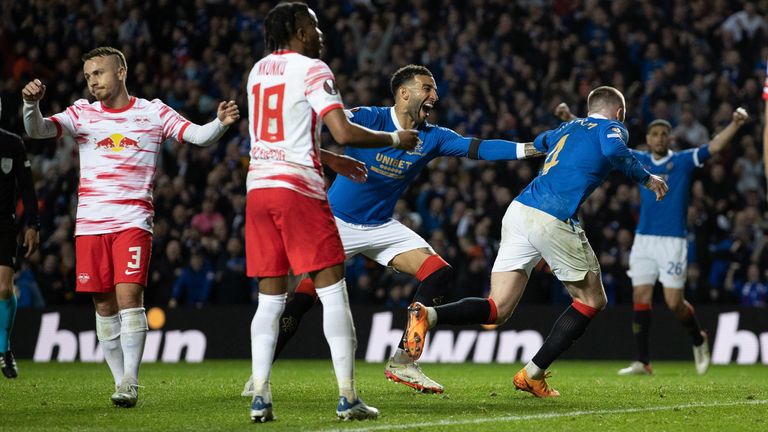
[(674, 268)]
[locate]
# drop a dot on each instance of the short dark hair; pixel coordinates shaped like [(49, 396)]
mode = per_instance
[(604, 96), (106, 52), (281, 23), (659, 122), (405, 74)]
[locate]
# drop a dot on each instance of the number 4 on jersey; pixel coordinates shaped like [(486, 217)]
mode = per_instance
[(551, 160), (270, 113)]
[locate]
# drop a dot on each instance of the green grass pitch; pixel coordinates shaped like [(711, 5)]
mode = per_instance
[(206, 396)]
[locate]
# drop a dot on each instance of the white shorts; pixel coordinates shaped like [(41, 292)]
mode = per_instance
[(381, 243), (529, 234), (658, 257)]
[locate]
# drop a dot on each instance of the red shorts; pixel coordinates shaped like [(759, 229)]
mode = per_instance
[(104, 260), (285, 230)]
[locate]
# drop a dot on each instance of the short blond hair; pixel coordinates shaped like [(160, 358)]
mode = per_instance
[(605, 96)]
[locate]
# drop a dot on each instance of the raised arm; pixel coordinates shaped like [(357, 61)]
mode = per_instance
[(563, 112), (451, 143), (499, 149), (34, 124), (210, 132), (720, 140)]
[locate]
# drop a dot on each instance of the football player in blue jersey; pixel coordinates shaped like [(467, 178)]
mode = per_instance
[(542, 222), (364, 211), (660, 249)]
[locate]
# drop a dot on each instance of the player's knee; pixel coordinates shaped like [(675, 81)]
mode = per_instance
[(641, 295), (6, 290), (501, 319), (675, 303), (504, 310), (596, 301), (601, 303)]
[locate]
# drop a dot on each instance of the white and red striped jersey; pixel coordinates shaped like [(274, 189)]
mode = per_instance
[(288, 95), (765, 84), (118, 157)]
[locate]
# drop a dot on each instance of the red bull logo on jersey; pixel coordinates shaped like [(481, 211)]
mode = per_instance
[(117, 142)]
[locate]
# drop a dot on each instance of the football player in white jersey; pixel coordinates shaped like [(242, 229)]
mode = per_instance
[(289, 225), (765, 126), (119, 138)]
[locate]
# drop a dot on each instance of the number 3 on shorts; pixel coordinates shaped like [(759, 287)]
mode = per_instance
[(136, 257), (675, 268)]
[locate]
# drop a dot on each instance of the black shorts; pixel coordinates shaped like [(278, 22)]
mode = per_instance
[(8, 248)]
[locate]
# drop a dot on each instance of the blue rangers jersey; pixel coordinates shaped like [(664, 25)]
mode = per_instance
[(390, 170), (668, 217), (580, 155)]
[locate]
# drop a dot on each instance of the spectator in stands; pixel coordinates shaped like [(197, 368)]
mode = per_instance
[(232, 282), (194, 284)]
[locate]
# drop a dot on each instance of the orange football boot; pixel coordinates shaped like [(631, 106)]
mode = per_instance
[(536, 387), (416, 330)]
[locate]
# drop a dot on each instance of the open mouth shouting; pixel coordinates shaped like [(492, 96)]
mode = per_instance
[(426, 109)]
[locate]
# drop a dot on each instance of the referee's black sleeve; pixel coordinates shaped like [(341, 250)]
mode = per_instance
[(20, 181), (26, 187)]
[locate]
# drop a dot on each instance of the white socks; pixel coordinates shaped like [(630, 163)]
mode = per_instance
[(401, 357), (133, 334), (534, 371), (264, 330), (431, 316), (108, 333), (340, 334)]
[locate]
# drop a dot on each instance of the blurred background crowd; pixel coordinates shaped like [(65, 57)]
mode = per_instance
[(501, 67)]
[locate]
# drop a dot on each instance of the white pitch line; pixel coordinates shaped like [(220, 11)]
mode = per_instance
[(514, 418)]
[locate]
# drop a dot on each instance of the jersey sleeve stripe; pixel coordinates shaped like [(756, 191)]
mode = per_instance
[(58, 126), (696, 158), (330, 108), (181, 132), (316, 75)]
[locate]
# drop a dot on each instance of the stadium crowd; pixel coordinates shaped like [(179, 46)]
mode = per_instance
[(501, 68)]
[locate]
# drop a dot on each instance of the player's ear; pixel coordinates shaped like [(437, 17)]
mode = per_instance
[(404, 94)]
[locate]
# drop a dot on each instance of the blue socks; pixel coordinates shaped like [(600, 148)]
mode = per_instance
[(7, 316)]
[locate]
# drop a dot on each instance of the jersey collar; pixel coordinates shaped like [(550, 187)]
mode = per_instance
[(598, 116), (394, 119), (663, 160), (130, 104)]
